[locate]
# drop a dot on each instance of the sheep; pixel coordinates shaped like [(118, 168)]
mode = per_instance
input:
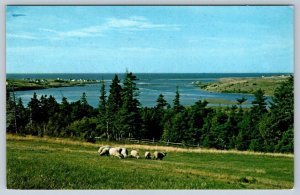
[(159, 155), (134, 154), (115, 152), (124, 152), (147, 155), (104, 150)]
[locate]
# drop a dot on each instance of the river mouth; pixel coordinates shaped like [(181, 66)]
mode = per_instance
[(150, 86)]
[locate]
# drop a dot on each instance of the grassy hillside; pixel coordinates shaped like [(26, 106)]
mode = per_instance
[(31, 84), (48, 163), (244, 85)]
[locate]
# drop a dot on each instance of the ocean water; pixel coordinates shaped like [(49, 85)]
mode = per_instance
[(150, 86)]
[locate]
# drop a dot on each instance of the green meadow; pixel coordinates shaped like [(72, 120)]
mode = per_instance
[(244, 85), (49, 163), (31, 84)]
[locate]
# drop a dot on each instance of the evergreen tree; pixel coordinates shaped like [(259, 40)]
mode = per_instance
[(129, 114), (177, 107), (217, 134), (149, 123), (276, 126), (176, 126), (161, 102), (83, 100), (114, 103), (243, 138), (258, 110), (34, 116), (102, 116), (61, 119), (197, 114), (102, 99), (259, 104), (50, 111), (81, 108), (10, 113), (21, 117), (159, 117), (35, 110), (179, 127), (282, 112)]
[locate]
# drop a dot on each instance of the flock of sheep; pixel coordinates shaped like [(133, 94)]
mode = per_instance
[(123, 153)]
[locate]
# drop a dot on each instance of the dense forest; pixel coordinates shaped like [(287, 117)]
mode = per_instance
[(262, 127)]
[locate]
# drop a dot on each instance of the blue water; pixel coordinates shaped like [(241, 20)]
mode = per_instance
[(150, 86)]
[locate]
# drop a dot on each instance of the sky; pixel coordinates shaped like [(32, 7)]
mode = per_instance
[(149, 39)]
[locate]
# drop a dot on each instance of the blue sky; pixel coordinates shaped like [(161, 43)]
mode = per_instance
[(149, 39)]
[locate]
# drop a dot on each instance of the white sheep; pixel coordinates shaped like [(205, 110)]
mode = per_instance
[(147, 155), (115, 152), (124, 152), (159, 155), (104, 150), (134, 154)]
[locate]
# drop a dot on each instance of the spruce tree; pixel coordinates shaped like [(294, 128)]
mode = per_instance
[(35, 110), (34, 116), (177, 107), (102, 99), (114, 103), (277, 126), (10, 113), (257, 112), (21, 117), (102, 116), (129, 114), (161, 102)]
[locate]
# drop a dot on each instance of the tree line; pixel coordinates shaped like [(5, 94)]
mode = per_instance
[(120, 115)]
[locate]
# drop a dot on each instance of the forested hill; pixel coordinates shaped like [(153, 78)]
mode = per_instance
[(119, 115)]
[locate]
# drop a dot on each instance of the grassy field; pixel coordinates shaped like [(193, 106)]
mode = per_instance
[(244, 85), (48, 163)]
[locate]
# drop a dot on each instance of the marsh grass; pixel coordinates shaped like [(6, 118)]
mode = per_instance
[(245, 85), (49, 163)]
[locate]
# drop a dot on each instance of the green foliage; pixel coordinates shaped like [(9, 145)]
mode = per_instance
[(243, 138), (84, 128), (286, 144)]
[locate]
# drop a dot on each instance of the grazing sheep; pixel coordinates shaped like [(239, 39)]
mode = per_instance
[(134, 154), (104, 150), (147, 155), (159, 155), (115, 152), (124, 152)]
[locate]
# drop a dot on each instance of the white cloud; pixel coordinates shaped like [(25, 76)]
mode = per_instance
[(93, 31), (134, 23), (138, 23), (24, 36)]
